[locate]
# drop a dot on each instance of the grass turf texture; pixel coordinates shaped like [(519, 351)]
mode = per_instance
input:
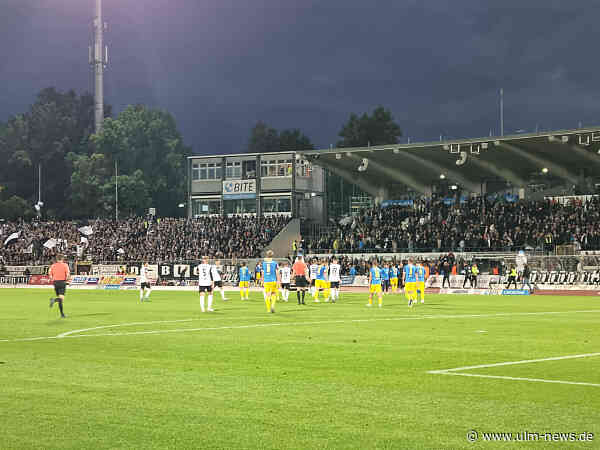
[(316, 376)]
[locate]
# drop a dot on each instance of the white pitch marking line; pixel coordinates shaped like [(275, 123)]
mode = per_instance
[(456, 370), (538, 380), (513, 363), (68, 333), (180, 330)]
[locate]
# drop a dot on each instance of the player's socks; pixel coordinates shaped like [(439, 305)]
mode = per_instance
[(380, 301), (298, 295), (303, 294), (268, 303), (241, 294), (60, 306), (210, 300), (202, 303), (247, 293), (141, 296)]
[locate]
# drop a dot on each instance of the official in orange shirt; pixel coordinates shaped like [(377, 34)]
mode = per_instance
[(301, 278), (59, 274)]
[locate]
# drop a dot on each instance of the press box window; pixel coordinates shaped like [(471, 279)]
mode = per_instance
[(234, 170)]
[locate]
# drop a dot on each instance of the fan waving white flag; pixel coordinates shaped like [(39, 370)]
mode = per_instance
[(87, 230), (50, 243), (12, 237)]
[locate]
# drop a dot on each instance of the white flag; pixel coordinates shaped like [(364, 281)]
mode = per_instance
[(50, 243), (87, 230), (84, 240), (121, 251), (12, 237)]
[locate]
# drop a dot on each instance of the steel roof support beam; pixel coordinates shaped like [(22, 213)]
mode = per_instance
[(350, 177), (505, 174), (452, 174), (555, 169), (394, 174)]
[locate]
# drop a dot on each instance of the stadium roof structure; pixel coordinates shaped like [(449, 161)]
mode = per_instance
[(566, 156)]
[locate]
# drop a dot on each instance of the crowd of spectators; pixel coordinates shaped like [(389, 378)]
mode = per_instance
[(139, 239), (474, 225)]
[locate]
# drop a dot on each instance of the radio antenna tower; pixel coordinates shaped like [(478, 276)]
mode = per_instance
[(98, 57)]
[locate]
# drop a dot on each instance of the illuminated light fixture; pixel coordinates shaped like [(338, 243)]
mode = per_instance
[(496, 143), (442, 176), (484, 145), (363, 165), (454, 187), (338, 156), (462, 159), (545, 170), (475, 149), (454, 148), (565, 139), (584, 139), (446, 147), (552, 138), (348, 154), (396, 151), (313, 194)]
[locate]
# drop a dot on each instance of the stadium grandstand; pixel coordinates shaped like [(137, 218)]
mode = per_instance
[(475, 197)]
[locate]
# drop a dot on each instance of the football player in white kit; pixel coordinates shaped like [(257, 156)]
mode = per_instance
[(521, 261), (216, 276), (286, 278), (205, 283), (313, 270), (334, 279), (145, 287)]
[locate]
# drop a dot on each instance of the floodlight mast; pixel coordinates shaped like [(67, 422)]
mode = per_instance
[(99, 61)]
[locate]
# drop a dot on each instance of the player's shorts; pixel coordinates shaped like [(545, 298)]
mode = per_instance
[(335, 284), (244, 284), (270, 287), (421, 286), (320, 284), (313, 282), (301, 281), (375, 288), (60, 287), (145, 285), (257, 277), (285, 286), (385, 284), (410, 286), (205, 289), (394, 282), (219, 283)]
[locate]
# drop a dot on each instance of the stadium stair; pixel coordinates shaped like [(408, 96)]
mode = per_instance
[(282, 243)]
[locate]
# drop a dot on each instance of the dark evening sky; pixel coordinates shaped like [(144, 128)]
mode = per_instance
[(220, 66)]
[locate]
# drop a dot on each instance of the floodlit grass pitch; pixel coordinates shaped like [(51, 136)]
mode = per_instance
[(162, 374)]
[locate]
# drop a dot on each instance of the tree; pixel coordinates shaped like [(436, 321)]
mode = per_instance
[(263, 139), (134, 195), (15, 207), (147, 140), (377, 129), (57, 124), (294, 139), (88, 179)]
